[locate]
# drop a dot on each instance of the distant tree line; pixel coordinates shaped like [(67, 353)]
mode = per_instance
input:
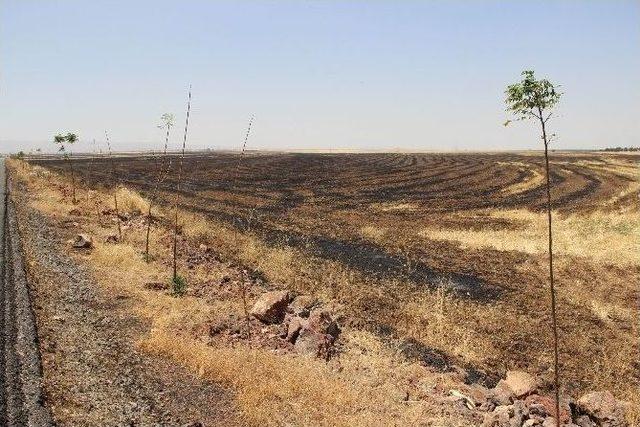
[(622, 149)]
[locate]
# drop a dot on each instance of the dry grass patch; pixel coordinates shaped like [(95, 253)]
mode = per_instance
[(394, 206), (373, 233), (131, 201), (276, 390), (604, 237)]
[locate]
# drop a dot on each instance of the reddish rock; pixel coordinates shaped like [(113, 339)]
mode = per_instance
[(293, 330), (498, 418), (501, 394), (317, 335), (546, 406), (584, 421), (302, 305), (604, 408), (271, 306), (478, 394)]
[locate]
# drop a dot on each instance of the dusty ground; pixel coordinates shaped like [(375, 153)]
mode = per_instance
[(94, 372)]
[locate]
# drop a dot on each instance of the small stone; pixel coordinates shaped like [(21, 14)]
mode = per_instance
[(479, 394), (584, 421), (521, 383), (544, 406), (271, 306), (203, 247), (604, 408), (520, 412), (550, 422), (111, 238), (302, 305), (501, 394), (317, 335), (293, 330), (83, 241), (498, 418)]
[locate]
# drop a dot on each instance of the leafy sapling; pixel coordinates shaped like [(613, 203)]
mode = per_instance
[(535, 99), (63, 141)]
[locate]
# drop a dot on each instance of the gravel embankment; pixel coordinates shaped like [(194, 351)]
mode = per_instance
[(21, 395), (93, 373)]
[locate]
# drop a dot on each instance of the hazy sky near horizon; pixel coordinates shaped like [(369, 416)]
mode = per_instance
[(416, 75)]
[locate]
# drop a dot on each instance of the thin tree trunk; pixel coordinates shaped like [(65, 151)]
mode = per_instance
[(115, 202), (554, 322), (160, 173), (73, 181), (175, 224), (115, 182), (146, 246)]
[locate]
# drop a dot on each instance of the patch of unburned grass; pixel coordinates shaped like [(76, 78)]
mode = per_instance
[(394, 206), (131, 201), (277, 390), (607, 237), (373, 233)]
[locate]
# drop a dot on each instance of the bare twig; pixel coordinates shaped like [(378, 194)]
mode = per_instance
[(177, 198), (161, 174), (114, 177)]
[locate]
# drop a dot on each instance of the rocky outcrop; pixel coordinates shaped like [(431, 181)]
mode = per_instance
[(516, 402), (310, 328)]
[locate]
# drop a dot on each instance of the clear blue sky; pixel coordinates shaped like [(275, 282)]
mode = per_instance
[(416, 75)]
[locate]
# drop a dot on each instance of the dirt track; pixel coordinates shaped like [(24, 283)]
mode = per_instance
[(21, 395)]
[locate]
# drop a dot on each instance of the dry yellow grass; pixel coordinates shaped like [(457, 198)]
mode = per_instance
[(277, 390), (131, 201), (393, 206), (607, 237), (535, 179), (373, 233)]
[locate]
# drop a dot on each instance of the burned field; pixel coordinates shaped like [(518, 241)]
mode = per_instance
[(444, 252)]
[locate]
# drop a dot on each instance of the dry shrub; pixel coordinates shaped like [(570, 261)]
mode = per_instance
[(131, 201)]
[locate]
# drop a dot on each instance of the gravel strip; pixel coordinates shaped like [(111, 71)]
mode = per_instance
[(93, 373)]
